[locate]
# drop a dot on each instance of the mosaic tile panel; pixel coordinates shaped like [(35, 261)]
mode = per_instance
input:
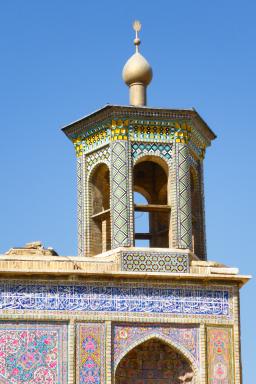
[(90, 353), (120, 203), (219, 355), (33, 353), (92, 139), (114, 297), (155, 262), (160, 131), (125, 336), (183, 197), (198, 143), (119, 129), (164, 150)]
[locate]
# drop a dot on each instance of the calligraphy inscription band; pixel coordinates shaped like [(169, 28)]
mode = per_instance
[(112, 297)]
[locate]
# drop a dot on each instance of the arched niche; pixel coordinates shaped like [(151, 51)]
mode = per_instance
[(99, 196), (154, 361), (150, 179)]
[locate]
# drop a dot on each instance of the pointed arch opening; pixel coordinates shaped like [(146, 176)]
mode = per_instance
[(150, 179), (99, 189), (153, 362)]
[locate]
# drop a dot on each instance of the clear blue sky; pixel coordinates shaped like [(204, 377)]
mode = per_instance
[(61, 60)]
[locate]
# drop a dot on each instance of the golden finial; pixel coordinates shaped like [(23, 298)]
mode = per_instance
[(137, 72), (137, 27)]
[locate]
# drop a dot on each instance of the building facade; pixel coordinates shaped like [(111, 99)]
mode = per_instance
[(119, 312)]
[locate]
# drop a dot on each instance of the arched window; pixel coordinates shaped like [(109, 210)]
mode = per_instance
[(99, 189), (151, 181), (154, 362)]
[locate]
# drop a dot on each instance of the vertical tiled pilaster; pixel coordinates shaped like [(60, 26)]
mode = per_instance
[(184, 220), (81, 205), (236, 339), (71, 352), (220, 352), (173, 188), (203, 234), (121, 193), (108, 354), (203, 361)]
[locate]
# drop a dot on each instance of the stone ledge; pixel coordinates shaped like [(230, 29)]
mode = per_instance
[(112, 263)]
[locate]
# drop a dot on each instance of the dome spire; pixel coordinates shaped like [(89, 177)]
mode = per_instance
[(137, 27), (137, 73)]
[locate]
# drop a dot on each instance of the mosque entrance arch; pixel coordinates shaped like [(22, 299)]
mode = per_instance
[(153, 362)]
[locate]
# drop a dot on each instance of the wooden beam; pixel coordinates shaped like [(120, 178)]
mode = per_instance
[(101, 215), (152, 208), (143, 236)]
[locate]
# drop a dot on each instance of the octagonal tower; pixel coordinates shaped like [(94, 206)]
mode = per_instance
[(156, 152)]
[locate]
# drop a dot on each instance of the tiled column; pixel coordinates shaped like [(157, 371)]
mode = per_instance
[(203, 231), (184, 219), (81, 205), (173, 200), (203, 355), (121, 194), (108, 352), (71, 352)]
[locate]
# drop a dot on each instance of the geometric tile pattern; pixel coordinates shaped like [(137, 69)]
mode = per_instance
[(90, 353), (119, 129), (94, 141), (219, 355), (163, 150), (155, 262), (183, 197), (203, 229), (159, 131), (198, 144), (81, 176), (33, 353), (91, 139), (120, 202), (117, 297), (125, 336), (96, 156)]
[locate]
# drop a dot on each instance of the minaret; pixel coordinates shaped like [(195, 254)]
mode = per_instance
[(152, 151)]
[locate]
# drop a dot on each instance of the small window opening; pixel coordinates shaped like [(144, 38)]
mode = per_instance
[(141, 221), (150, 182), (100, 239)]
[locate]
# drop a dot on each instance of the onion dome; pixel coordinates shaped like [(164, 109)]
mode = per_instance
[(137, 72)]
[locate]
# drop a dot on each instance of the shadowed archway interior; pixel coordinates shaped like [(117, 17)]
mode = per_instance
[(150, 179), (99, 189), (153, 362)]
